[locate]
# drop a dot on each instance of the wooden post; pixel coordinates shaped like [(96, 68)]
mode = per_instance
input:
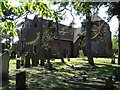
[(20, 80)]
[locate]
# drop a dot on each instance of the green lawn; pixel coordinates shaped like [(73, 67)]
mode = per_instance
[(39, 77)]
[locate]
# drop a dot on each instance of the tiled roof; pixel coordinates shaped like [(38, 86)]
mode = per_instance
[(67, 36), (96, 18)]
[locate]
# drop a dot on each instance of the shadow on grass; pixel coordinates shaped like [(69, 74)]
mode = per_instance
[(51, 81), (38, 78), (104, 69), (58, 64), (14, 58)]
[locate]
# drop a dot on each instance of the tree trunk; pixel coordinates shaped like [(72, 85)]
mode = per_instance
[(88, 41), (119, 42), (59, 42), (40, 54)]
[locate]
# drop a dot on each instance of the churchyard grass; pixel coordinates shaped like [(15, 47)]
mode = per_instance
[(38, 77)]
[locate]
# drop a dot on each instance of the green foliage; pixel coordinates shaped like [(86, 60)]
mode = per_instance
[(115, 43), (8, 27), (114, 9), (81, 54), (40, 8)]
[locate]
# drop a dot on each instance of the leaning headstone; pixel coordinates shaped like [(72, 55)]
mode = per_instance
[(109, 82), (48, 66), (27, 60), (20, 80), (84, 78), (18, 54), (22, 59), (68, 59), (34, 59), (116, 73), (13, 54), (17, 64), (4, 71), (113, 60)]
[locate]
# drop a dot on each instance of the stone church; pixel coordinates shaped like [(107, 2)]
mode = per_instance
[(70, 42)]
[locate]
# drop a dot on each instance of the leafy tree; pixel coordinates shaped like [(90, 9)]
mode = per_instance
[(12, 14), (87, 9), (114, 9), (115, 42)]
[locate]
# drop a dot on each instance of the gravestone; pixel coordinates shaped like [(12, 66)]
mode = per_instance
[(27, 60), (13, 54), (109, 82), (113, 60), (48, 66), (17, 64), (42, 59), (22, 59), (20, 81), (18, 54), (116, 73), (34, 59), (84, 77), (4, 68), (68, 59)]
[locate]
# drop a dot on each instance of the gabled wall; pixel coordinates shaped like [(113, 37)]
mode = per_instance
[(30, 34)]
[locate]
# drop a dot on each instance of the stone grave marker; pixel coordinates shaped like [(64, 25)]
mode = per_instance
[(20, 81), (13, 54), (68, 59), (116, 73), (34, 59), (48, 66), (4, 71), (42, 59), (17, 64), (109, 82), (18, 54), (27, 60), (22, 59)]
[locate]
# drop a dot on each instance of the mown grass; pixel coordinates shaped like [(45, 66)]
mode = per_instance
[(40, 78)]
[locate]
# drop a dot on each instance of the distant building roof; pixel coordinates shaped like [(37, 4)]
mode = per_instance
[(67, 36), (77, 32), (96, 18)]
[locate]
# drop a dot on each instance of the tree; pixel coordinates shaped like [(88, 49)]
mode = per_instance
[(13, 14), (58, 34), (88, 40), (115, 42), (84, 8), (114, 9)]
